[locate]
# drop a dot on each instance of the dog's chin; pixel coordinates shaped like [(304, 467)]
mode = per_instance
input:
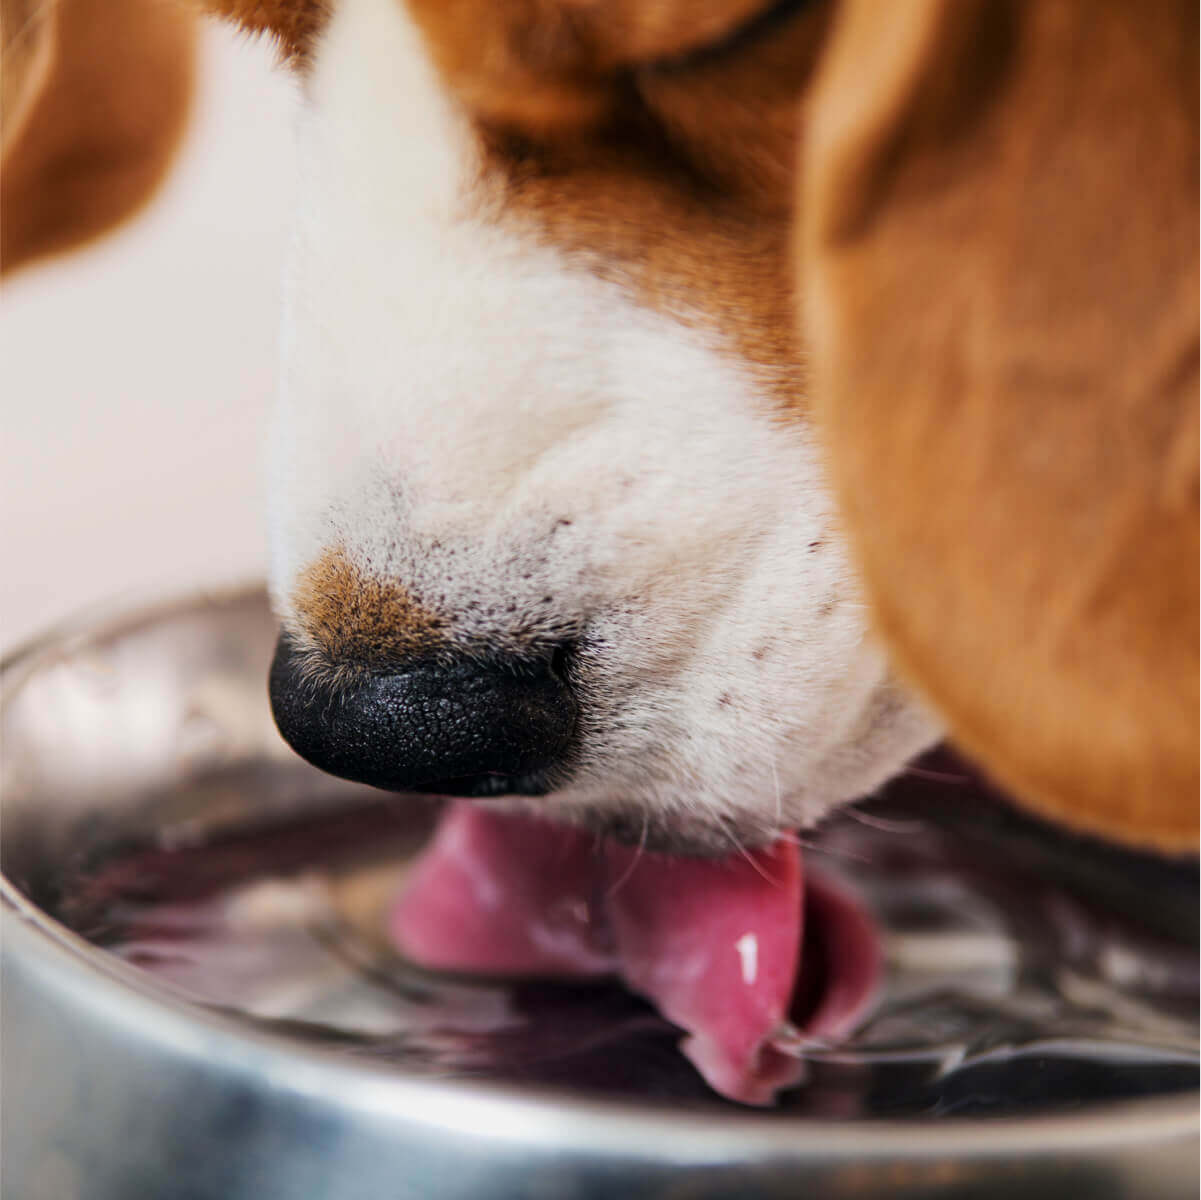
[(682, 835), (678, 836), (704, 827)]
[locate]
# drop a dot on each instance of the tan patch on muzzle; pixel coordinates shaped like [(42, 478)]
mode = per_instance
[(353, 619)]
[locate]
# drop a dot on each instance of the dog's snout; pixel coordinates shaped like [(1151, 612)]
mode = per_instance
[(462, 728)]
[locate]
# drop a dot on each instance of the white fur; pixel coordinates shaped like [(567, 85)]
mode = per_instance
[(468, 415)]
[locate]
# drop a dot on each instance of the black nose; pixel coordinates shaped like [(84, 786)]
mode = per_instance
[(462, 729)]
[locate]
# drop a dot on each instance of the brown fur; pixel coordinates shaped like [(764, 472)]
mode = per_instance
[(1001, 248), (348, 619), (294, 24), (547, 67), (92, 117), (26, 52), (673, 178)]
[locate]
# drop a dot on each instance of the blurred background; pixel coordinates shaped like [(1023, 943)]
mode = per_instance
[(138, 370)]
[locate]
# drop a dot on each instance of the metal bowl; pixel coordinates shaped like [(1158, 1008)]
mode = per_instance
[(146, 740)]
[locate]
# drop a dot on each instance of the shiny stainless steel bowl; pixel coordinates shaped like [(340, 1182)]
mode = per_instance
[(152, 731)]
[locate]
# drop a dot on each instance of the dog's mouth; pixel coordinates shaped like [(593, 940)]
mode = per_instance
[(747, 955), (533, 783), (734, 948)]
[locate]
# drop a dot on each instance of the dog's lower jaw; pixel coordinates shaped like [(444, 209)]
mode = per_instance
[(682, 818)]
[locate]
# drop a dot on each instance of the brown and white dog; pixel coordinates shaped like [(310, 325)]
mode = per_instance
[(666, 382)]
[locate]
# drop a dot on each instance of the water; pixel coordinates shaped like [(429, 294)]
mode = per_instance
[(1025, 970)]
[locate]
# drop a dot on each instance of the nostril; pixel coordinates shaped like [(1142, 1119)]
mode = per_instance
[(430, 723)]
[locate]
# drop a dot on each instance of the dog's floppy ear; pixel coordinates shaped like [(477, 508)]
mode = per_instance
[(999, 270), (26, 52), (95, 97)]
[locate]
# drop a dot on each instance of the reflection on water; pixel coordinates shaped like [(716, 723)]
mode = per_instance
[(1025, 969)]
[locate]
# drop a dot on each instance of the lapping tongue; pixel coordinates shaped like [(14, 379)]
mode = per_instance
[(715, 945)]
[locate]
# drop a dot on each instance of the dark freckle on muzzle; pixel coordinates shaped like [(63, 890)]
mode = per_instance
[(458, 727)]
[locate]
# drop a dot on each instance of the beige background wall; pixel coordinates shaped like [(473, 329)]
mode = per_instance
[(135, 376)]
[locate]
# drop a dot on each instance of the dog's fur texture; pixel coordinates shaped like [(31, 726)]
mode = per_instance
[(567, 343), (1017, 461)]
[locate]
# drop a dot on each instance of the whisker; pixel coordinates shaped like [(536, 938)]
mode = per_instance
[(886, 824), (625, 875), (795, 839), (775, 776), (936, 776), (745, 853)]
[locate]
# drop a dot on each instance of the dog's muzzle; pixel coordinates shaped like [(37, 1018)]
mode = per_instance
[(459, 728)]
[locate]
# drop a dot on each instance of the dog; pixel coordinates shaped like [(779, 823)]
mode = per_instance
[(690, 411), (94, 99)]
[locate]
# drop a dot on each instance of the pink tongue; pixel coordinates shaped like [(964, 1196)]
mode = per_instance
[(715, 945), (506, 894)]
